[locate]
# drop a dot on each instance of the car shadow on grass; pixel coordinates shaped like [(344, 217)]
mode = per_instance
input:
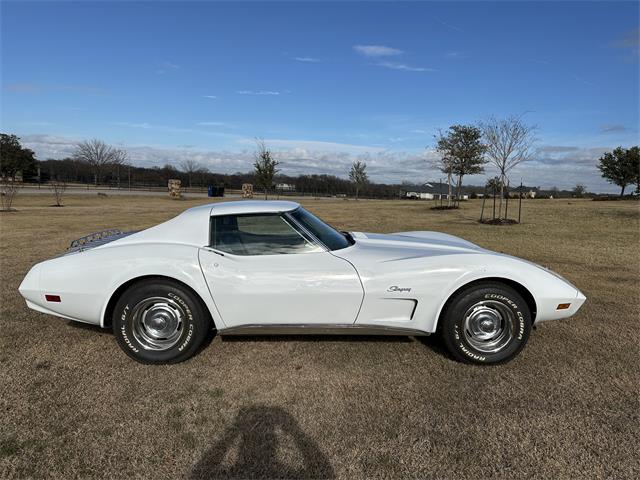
[(263, 442)]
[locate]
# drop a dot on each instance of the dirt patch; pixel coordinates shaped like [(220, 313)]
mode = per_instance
[(499, 221)]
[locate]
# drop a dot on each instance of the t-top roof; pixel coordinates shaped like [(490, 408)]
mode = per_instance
[(191, 227), (252, 206)]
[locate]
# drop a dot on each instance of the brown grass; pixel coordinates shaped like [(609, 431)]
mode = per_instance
[(73, 405)]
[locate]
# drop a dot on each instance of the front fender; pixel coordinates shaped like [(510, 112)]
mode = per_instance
[(547, 288)]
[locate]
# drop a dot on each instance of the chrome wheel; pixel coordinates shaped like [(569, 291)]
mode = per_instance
[(489, 326), (157, 322)]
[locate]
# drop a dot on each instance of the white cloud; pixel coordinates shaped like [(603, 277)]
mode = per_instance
[(613, 128), (174, 130), (214, 124), (630, 43), (404, 66), (211, 97), (306, 59), (561, 166), (36, 124), (583, 81), (257, 92), (50, 146), (454, 55), (133, 125), (448, 25), (376, 50), (167, 66), (313, 145)]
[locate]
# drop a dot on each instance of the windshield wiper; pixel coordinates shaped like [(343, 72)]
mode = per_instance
[(349, 237)]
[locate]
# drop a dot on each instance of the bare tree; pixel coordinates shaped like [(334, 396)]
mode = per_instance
[(119, 161), (202, 173), (509, 143), (97, 154), (8, 190), (189, 166), (264, 167), (358, 175), (58, 188)]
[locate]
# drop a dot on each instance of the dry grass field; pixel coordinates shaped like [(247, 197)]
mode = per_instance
[(74, 406)]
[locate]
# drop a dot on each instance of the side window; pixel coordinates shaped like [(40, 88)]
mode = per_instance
[(257, 235)]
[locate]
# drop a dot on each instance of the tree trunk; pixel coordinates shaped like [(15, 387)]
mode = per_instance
[(459, 189), (622, 191), (502, 178), (357, 191), (449, 195)]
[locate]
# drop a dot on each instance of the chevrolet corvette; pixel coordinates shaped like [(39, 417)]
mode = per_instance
[(270, 267)]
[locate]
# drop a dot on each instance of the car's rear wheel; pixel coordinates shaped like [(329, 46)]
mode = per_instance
[(487, 323), (160, 321)]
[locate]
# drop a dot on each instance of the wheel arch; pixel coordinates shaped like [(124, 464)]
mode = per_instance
[(518, 287), (108, 311)]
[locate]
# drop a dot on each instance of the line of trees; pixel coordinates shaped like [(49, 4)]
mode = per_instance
[(464, 150)]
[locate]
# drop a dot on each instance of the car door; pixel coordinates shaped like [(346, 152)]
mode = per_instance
[(262, 270)]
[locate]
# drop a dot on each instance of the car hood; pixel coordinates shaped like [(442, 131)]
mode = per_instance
[(404, 245)]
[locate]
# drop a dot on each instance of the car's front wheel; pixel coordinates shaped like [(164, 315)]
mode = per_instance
[(487, 323), (160, 321)]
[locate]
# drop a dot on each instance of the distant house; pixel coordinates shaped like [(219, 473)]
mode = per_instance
[(516, 194), (433, 191), (285, 187)]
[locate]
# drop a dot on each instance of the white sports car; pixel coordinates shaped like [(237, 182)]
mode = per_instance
[(256, 267)]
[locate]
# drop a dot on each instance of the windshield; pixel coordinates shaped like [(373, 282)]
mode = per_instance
[(329, 236)]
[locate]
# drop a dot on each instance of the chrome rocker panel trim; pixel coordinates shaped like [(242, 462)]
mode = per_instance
[(320, 329)]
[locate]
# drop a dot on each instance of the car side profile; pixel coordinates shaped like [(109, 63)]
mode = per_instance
[(269, 267)]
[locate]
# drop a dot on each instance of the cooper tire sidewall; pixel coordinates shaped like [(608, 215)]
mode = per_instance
[(191, 329), (510, 299)]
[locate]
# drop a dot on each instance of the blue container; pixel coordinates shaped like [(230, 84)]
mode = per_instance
[(215, 190)]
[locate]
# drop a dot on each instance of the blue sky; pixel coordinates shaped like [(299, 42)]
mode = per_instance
[(323, 83)]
